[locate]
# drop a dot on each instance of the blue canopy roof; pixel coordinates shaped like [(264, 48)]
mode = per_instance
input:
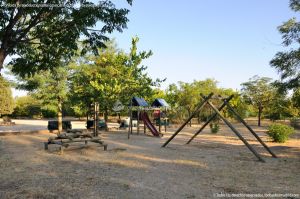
[(136, 101), (159, 102)]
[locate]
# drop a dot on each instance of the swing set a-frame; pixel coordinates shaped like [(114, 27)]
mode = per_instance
[(207, 100)]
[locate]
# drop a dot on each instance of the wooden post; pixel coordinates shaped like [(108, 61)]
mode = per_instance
[(130, 120), (95, 122), (97, 119), (250, 129), (200, 106), (159, 122), (46, 145), (260, 108), (166, 119), (145, 129), (210, 119), (138, 121), (59, 116), (236, 132)]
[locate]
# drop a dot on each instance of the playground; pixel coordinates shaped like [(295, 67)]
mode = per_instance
[(140, 99), (140, 168)]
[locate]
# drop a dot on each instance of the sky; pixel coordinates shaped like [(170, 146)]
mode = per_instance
[(228, 40)]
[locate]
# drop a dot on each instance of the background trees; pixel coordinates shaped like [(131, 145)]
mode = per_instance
[(296, 100), (6, 100), (111, 76), (41, 36), (50, 87), (27, 106), (258, 91), (288, 62)]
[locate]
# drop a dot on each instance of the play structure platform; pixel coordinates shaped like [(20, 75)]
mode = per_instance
[(138, 111)]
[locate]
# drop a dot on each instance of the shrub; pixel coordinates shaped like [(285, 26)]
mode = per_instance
[(280, 132), (214, 127)]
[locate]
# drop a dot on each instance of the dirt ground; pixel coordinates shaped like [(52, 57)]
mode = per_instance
[(212, 165)]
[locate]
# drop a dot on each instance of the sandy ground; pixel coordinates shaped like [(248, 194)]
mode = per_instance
[(140, 168)]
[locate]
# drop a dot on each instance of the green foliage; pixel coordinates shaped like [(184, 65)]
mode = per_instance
[(214, 127), (237, 102), (156, 93), (27, 106), (49, 111), (186, 96), (280, 107), (280, 132), (259, 92), (287, 62), (47, 86), (42, 36), (296, 101), (6, 99), (114, 75)]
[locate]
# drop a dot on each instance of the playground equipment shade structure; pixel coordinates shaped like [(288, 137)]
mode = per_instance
[(159, 102)]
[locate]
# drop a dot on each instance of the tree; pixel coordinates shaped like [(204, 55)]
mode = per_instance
[(237, 102), (186, 96), (259, 92), (6, 99), (288, 63), (111, 76), (27, 106), (50, 87), (41, 35), (296, 100)]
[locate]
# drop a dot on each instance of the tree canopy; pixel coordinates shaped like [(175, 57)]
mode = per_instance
[(111, 76), (6, 99), (259, 92), (50, 87), (40, 36), (288, 62)]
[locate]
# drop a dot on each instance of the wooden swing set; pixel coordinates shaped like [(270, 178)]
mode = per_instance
[(207, 100)]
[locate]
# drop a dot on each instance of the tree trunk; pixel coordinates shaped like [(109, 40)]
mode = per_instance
[(106, 118), (259, 115), (189, 112), (2, 58), (59, 115)]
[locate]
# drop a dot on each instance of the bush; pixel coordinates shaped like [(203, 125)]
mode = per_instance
[(214, 127), (280, 132)]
